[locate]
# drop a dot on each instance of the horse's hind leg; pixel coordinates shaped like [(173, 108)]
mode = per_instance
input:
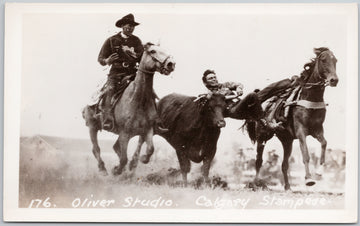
[(320, 137), (135, 159), (149, 147), (96, 150), (120, 148), (287, 146), (259, 150)]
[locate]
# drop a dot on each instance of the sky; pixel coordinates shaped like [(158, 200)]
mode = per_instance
[(255, 46)]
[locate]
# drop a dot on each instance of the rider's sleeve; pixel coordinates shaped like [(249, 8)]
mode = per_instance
[(240, 89), (235, 86), (139, 49), (105, 52)]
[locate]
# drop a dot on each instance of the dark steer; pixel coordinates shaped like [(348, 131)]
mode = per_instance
[(194, 128)]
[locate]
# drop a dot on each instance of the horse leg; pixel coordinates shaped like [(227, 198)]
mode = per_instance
[(120, 148), (259, 160), (287, 146), (149, 147), (135, 159), (320, 137), (306, 158), (96, 150)]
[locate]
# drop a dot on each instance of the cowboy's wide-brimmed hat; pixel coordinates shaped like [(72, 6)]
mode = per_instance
[(128, 19)]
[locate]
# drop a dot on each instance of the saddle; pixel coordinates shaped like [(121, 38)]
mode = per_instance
[(120, 87), (103, 111), (277, 107)]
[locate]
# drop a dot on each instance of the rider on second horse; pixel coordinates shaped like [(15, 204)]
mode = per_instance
[(122, 52)]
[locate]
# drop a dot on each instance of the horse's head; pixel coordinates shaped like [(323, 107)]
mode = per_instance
[(214, 106), (156, 59), (325, 66)]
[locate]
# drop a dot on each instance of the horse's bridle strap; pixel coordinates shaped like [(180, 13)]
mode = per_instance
[(310, 104), (146, 71)]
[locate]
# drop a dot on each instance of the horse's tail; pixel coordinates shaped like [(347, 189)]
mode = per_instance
[(251, 129)]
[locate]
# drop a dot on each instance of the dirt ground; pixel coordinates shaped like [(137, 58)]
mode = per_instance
[(60, 173)]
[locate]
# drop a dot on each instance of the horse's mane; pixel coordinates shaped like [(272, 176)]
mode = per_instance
[(309, 67), (321, 49)]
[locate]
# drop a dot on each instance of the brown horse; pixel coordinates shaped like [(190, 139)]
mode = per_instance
[(305, 117), (135, 112)]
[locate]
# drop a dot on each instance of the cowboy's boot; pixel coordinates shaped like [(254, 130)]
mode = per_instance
[(272, 124), (107, 119)]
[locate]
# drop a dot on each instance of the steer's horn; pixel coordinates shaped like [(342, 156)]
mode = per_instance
[(200, 97)]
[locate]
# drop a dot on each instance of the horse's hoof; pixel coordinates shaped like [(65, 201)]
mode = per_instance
[(103, 172), (320, 171), (145, 159), (287, 187), (116, 171), (132, 165), (309, 182)]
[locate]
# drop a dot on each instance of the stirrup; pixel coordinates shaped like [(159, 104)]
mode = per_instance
[(108, 122), (162, 129), (108, 126)]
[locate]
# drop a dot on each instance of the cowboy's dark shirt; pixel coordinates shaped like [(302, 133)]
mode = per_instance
[(114, 44)]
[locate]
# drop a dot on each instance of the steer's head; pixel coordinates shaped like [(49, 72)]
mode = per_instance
[(213, 109)]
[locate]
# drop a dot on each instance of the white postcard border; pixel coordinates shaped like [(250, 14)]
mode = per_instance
[(13, 22)]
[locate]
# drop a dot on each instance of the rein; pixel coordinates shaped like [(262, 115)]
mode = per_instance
[(309, 85), (146, 71)]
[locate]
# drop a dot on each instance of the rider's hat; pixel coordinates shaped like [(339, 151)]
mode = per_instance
[(128, 19)]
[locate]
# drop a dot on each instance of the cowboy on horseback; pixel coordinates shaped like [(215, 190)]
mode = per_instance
[(122, 52)]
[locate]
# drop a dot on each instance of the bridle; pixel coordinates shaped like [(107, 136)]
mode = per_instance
[(322, 82), (154, 58), (308, 85)]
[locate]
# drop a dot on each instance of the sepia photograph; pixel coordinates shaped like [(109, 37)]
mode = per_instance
[(173, 112)]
